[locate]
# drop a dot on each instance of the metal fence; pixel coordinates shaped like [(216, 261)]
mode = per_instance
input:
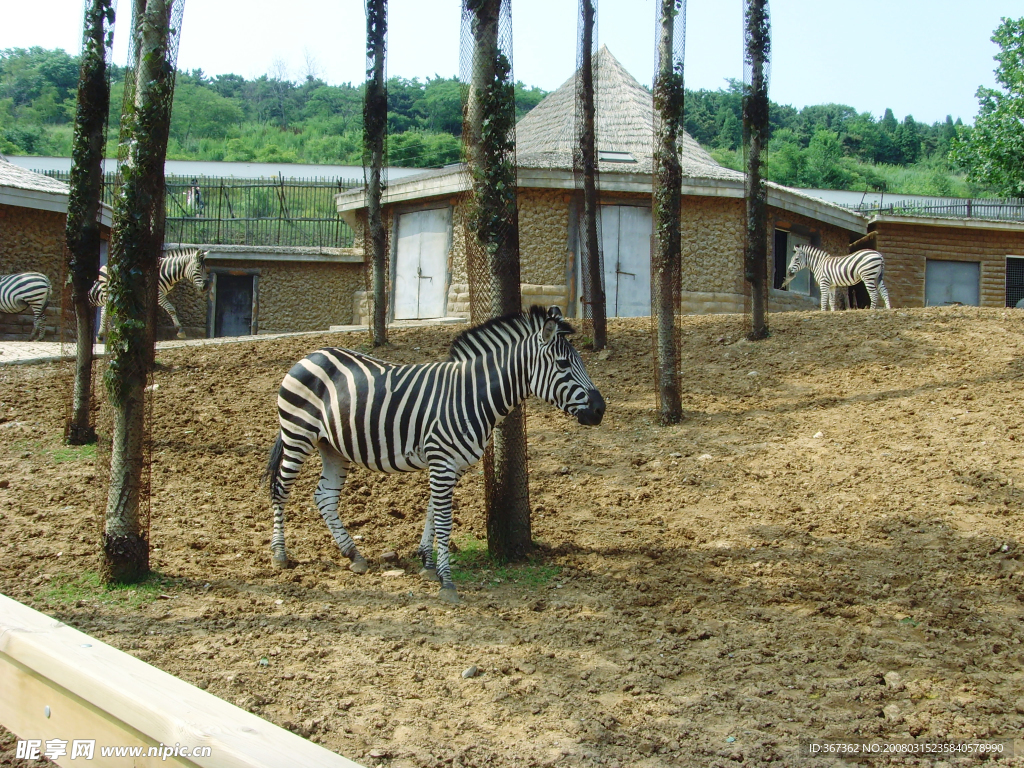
[(268, 212), (959, 208)]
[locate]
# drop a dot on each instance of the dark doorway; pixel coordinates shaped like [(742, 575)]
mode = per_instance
[(781, 257), (233, 313)]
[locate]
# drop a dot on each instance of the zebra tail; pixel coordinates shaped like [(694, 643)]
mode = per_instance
[(273, 470)]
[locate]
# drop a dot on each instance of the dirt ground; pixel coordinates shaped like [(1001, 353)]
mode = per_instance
[(829, 546)]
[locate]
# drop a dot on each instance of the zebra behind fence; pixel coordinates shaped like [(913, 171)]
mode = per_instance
[(833, 272), (27, 290), (175, 266), (359, 410)]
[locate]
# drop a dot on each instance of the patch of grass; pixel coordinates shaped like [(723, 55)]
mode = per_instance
[(473, 563), (72, 453), (68, 589)]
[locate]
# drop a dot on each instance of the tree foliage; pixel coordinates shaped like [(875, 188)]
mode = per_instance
[(993, 150), (273, 119)]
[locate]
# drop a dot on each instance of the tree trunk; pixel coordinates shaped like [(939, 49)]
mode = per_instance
[(375, 125), (595, 295), (83, 229), (494, 274), (666, 256), (755, 127), (134, 262)]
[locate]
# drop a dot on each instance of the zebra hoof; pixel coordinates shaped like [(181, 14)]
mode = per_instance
[(280, 562), (181, 335), (449, 595), (429, 574), (359, 565)]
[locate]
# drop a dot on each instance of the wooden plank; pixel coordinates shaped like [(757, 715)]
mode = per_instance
[(95, 691)]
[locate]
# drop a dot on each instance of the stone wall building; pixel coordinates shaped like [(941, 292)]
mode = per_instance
[(33, 217), (423, 216)]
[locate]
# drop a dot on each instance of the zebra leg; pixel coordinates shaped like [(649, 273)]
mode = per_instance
[(285, 463), (885, 292), (426, 550), (38, 326), (101, 333), (327, 494), (442, 483), (169, 309), (826, 295)]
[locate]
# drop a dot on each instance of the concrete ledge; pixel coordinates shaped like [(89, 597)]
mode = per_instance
[(59, 683)]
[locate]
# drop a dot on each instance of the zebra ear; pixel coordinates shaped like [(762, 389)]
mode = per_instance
[(553, 325)]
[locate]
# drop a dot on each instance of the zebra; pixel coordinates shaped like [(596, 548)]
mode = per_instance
[(833, 272), (175, 266), (27, 290), (355, 409)]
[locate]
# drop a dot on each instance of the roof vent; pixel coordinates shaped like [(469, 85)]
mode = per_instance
[(608, 156)]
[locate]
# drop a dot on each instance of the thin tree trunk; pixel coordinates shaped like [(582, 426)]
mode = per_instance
[(755, 125), (591, 207), (666, 258), (83, 229), (375, 125), (495, 275), (134, 263)]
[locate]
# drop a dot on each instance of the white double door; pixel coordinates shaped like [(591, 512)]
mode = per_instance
[(626, 247), (421, 262)]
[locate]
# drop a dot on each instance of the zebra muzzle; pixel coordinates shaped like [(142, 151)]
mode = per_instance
[(591, 415)]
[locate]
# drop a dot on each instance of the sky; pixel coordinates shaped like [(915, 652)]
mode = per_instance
[(924, 58)]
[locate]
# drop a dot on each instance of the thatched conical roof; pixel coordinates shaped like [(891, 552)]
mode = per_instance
[(625, 124)]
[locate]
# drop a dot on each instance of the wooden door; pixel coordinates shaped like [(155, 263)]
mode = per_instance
[(233, 311), (421, 261)]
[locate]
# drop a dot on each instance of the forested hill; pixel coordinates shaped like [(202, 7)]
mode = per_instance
[(272, 119)]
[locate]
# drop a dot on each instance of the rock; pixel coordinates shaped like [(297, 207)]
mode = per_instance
[(471, 672), (389, 557), (1019, 705), (394, 572), (818, 435), (893, 681), (892, 714)]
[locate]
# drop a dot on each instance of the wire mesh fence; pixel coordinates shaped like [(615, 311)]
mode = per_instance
[(229, 211), (489, 216), (666, 251), (587, 180)]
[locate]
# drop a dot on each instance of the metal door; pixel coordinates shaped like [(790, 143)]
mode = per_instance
[(421, 259), (233, 312), (951, 282), (626, 242)]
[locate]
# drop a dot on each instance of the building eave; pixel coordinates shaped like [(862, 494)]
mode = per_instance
[(957, 223), (46, 201)]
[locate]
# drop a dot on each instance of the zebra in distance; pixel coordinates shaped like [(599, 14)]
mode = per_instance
[(175, 266), (831, 272), (355, 409), (27, 290)]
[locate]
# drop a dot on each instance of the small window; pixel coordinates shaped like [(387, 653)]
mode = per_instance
[(1014, 281), (608, 156), (951, 282)]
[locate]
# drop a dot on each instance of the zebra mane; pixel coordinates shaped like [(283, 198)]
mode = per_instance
[(501, 331), (185, 253), (813, 250)]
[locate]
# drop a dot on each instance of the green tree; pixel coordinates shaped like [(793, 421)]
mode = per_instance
[(993, 150)]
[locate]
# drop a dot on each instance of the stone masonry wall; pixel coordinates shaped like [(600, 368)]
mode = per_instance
[(32, 241), (906, 248)]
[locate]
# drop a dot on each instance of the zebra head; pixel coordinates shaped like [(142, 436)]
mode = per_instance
[(796, 263), (558, 375), (198, 273)]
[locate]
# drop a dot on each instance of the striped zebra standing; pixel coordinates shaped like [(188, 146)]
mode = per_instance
[(175, 266), (27, 290), (833, 272), (355, 409)]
